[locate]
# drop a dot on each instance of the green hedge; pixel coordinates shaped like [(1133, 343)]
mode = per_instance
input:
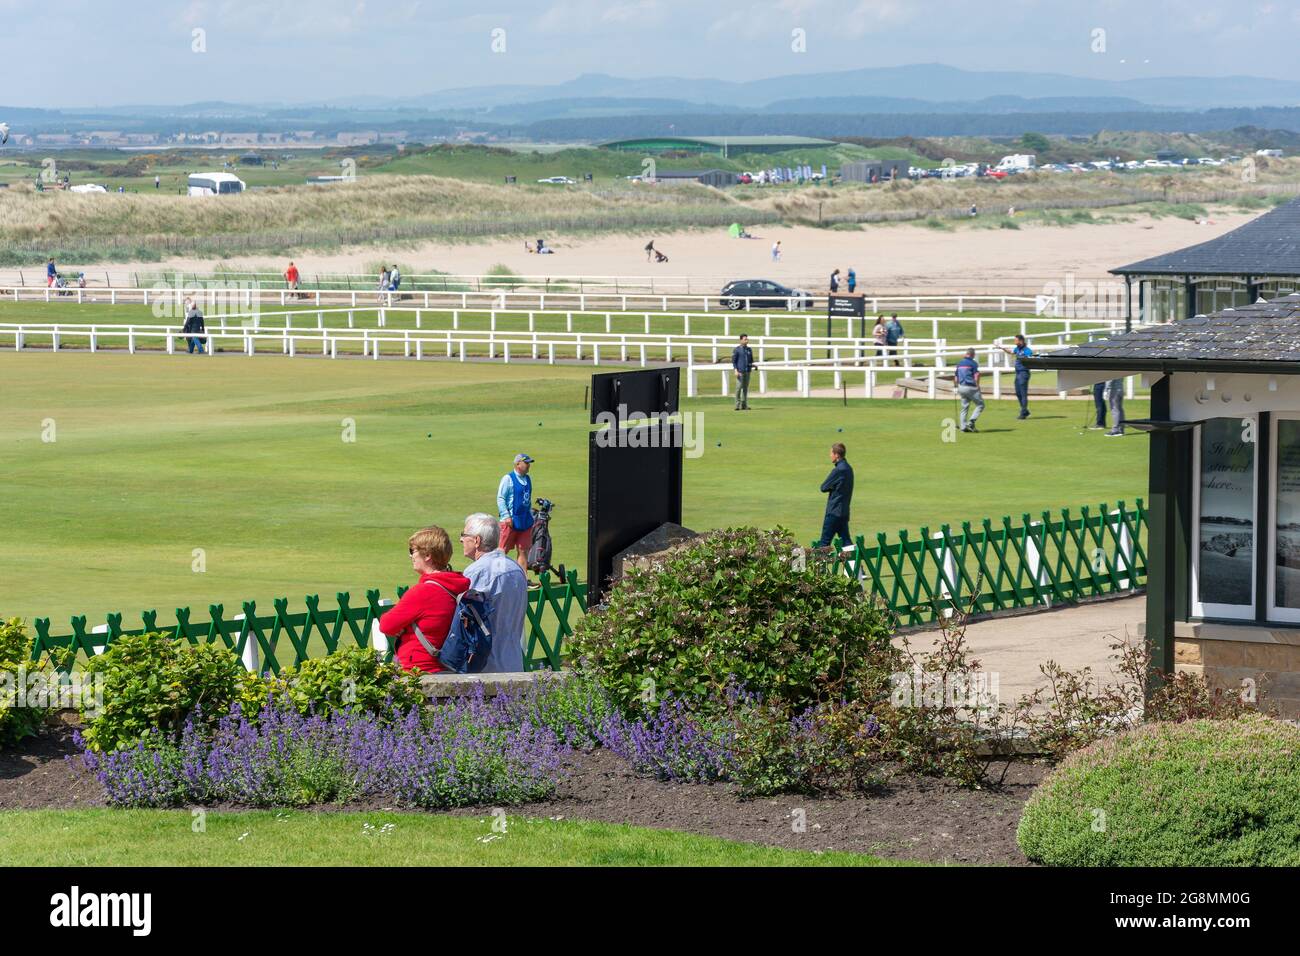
[(1199, 793), (739, 606)]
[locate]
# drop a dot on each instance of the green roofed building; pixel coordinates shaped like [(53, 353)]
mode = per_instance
[(723, 145)]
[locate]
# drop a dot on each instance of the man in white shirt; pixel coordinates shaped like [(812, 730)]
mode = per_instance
[(506, 586)]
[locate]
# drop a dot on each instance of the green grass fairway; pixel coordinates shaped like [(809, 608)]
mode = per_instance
[(289, 838), (156, 456)]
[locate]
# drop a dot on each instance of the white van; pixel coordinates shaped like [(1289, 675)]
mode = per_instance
[(214, 184)]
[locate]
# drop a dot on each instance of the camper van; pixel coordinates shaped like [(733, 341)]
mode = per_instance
[(214, 184), (1017, 162)]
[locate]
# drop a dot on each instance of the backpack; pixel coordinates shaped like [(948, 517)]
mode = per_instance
[(469, 639)]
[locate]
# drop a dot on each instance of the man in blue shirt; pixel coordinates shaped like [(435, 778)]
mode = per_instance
[(968, 387), (495, 575), (853, 280), (515, 509), (742, 360), (1020, 352)]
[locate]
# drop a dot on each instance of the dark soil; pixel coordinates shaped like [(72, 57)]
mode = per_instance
[(909, 818), (35, 774)]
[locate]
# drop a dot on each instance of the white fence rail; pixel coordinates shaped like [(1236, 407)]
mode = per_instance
[(247, 296)]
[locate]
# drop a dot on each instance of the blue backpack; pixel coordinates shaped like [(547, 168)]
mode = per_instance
[(469, 640)]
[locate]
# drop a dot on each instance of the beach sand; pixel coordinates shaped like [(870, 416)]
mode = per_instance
[(888, 258)]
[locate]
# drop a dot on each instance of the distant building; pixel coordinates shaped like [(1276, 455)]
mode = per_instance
[(877, 170), (724, 145), (1257, 260), (708, 177)]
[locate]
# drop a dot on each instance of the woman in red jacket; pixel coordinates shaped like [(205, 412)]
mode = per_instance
[(429, 604)]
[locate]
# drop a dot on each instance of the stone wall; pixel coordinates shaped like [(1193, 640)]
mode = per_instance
[(1229, 654)]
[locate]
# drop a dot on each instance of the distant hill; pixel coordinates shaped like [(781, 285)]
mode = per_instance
[(930, 82)]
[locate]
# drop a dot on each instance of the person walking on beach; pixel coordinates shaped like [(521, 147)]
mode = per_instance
[(968, 388), (853, 280), (649, 250), (1021, 351), (742, 360), (835, 281), (838, 487), (776, 251)]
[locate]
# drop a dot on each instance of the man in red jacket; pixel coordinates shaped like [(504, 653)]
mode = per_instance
[(428, 605)]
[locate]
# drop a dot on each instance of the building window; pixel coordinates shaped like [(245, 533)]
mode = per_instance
[(1223, 574), (1284, 569)]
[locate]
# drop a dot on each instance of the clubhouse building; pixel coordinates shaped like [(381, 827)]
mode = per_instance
[(1258, 260), (1223, 513)]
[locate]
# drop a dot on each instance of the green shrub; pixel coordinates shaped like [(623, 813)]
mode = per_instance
[(354, 678), (1198, 793), (733, 608), (152, 682), (15, 653)]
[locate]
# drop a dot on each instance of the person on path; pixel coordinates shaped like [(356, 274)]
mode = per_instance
[(421, 619), (649, 250), (853, 281), (51, 273), (893, 338), (291, 278), (157, 182), (776, 251), (1115, 397), (742, 360), (193, 328), (968, 388), (838, 487), (506, 586), (1021, 351), (515, 509), (835, 281), (880, 336)]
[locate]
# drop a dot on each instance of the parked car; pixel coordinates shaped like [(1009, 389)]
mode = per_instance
[(763, 294)]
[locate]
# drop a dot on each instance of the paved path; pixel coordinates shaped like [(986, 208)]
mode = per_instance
[(1074, 637)]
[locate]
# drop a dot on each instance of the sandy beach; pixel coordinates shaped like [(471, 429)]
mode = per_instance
[(888, 258)]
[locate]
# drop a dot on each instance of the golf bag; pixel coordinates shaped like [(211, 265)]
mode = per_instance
[(539, 553)]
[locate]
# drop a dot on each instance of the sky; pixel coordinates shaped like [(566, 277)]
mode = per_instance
[(61, 53)]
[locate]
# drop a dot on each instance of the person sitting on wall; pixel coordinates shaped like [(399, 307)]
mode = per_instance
[(421, 619)]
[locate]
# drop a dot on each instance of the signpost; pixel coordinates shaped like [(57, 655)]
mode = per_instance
[(846, 306)]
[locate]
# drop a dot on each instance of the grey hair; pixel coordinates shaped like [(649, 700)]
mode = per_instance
[(485, 527)]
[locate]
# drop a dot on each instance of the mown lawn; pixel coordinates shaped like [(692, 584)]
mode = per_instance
[(159, 461), (302, 838)]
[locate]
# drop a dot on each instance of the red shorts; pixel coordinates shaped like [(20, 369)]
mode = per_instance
[(512, 537)]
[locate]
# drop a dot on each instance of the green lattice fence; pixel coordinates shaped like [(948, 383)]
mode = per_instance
[(1010, 564), (990, 567), (280, 638)]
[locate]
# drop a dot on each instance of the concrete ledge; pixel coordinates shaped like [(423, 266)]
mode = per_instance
[(439, 686), (1244, 632)]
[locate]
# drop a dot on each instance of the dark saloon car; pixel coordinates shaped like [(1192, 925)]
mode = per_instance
[(763, 294)]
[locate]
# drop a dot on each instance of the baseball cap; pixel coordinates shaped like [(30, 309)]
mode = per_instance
[(522, 457)]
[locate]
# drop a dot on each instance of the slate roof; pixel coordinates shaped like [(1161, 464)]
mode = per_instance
[(1266, 246), (1263, 337)]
